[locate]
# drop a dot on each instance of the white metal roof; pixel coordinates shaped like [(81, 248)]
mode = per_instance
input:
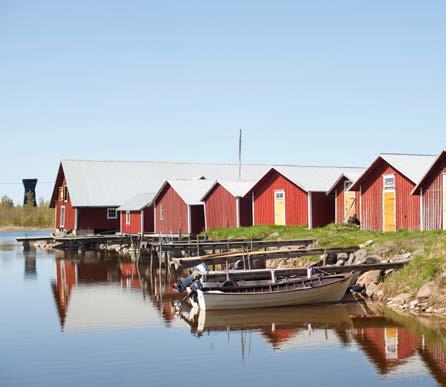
[(413, 166), (112, 183), (417, 187), (190, 190), (352, 176), (314, 179), (237, 188), (138, 202)]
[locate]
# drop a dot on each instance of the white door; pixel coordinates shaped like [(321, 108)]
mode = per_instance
[(444, 201)]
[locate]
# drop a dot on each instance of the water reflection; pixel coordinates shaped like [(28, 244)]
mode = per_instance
[(120, 305)]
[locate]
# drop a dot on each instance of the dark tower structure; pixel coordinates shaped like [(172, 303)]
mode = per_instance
[(30, 191)]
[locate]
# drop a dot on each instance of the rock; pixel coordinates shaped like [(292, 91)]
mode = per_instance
[(400, 299), (274, 235), (427, 290), (282, 263), (369, 277), (351, 259), (366, 244), (342, 256), (371, 290), (360, 254), (372, 259), (429, 310), (441, 310), (340, 263), (380, 294), (413, 304), (402, 257)]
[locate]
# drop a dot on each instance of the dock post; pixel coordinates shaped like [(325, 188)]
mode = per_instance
[(26, 245)]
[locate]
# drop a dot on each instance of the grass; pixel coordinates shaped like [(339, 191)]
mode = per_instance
[(428, 248)]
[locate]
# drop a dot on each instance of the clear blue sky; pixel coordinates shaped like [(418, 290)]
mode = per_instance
[(311, 82)]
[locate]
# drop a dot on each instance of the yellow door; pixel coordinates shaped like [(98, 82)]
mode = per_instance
[(349, 204), (389, 211), (279, 208)]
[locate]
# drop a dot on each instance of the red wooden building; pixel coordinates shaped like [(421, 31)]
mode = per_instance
[(136, 215), (346, 201), (432, 191), (178, 206), (296, 195), (227, 204), (385, 187)]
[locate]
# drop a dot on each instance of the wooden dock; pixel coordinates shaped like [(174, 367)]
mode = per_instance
[(262, 255)]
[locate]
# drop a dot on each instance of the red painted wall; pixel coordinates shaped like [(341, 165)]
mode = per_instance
[(220, 208), (323, 209), (175, 213), (407, 205), (296, 200), (69, 210), (95, 218), (135, 222), (433, 196), (340, 206)]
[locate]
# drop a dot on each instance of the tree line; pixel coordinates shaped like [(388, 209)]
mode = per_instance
[(28, 215)]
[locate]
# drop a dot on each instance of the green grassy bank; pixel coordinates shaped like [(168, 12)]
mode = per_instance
[(428, 248)]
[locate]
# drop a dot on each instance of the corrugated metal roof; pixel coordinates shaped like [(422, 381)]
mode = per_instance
[(352, 175), (192, 190), (138, 202), (314, 179), (237, 188), (417, 187), (413, 166), (112, 183)]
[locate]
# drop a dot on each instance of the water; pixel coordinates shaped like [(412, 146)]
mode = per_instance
[(100, 322)]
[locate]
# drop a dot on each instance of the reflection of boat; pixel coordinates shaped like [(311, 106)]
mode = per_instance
[(299, 291), (332, 315)]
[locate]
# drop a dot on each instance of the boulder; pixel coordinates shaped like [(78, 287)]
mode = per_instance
[(342, 256), (351, 259), (371, 290), (400, 299), (402, 257), (340, 262), (369, 277), (360, 254), (372, 259), (427, 290)]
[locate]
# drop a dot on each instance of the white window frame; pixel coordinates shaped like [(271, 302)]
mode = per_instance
[(112, 217), (388, 188), (62, 218), (127, 218), (162, 212)]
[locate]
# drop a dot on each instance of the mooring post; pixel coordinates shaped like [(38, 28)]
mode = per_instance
[(198, 247)]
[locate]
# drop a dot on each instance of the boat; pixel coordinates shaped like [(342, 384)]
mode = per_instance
[(298, 291)]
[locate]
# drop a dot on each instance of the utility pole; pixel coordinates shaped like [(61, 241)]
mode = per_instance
[(240, 155)]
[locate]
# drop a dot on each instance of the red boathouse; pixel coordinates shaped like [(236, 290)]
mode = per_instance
[(296, 195), (432, 191), (227, 204), (346, 201), (136, 215), (385, 191), (178, 206)]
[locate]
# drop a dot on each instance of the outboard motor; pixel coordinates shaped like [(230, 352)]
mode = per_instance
[(183, 283)]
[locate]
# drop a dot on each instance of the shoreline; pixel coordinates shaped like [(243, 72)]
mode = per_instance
[(21, 228)]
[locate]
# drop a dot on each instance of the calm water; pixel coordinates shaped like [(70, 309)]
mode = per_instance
[(98, 322)]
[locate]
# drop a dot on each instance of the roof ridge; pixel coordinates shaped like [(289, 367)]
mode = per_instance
[(406, 154)]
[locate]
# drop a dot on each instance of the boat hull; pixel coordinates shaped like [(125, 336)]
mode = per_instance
[(329, 293)]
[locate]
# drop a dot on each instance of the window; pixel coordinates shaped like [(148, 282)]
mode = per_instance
[(112, 213), (65, 193), (279, 194), (347, 185), (61, 192), (62, 217), (162, 212), (389, 181), (127, 218)]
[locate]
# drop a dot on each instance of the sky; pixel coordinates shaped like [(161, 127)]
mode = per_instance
[(310, 82)]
